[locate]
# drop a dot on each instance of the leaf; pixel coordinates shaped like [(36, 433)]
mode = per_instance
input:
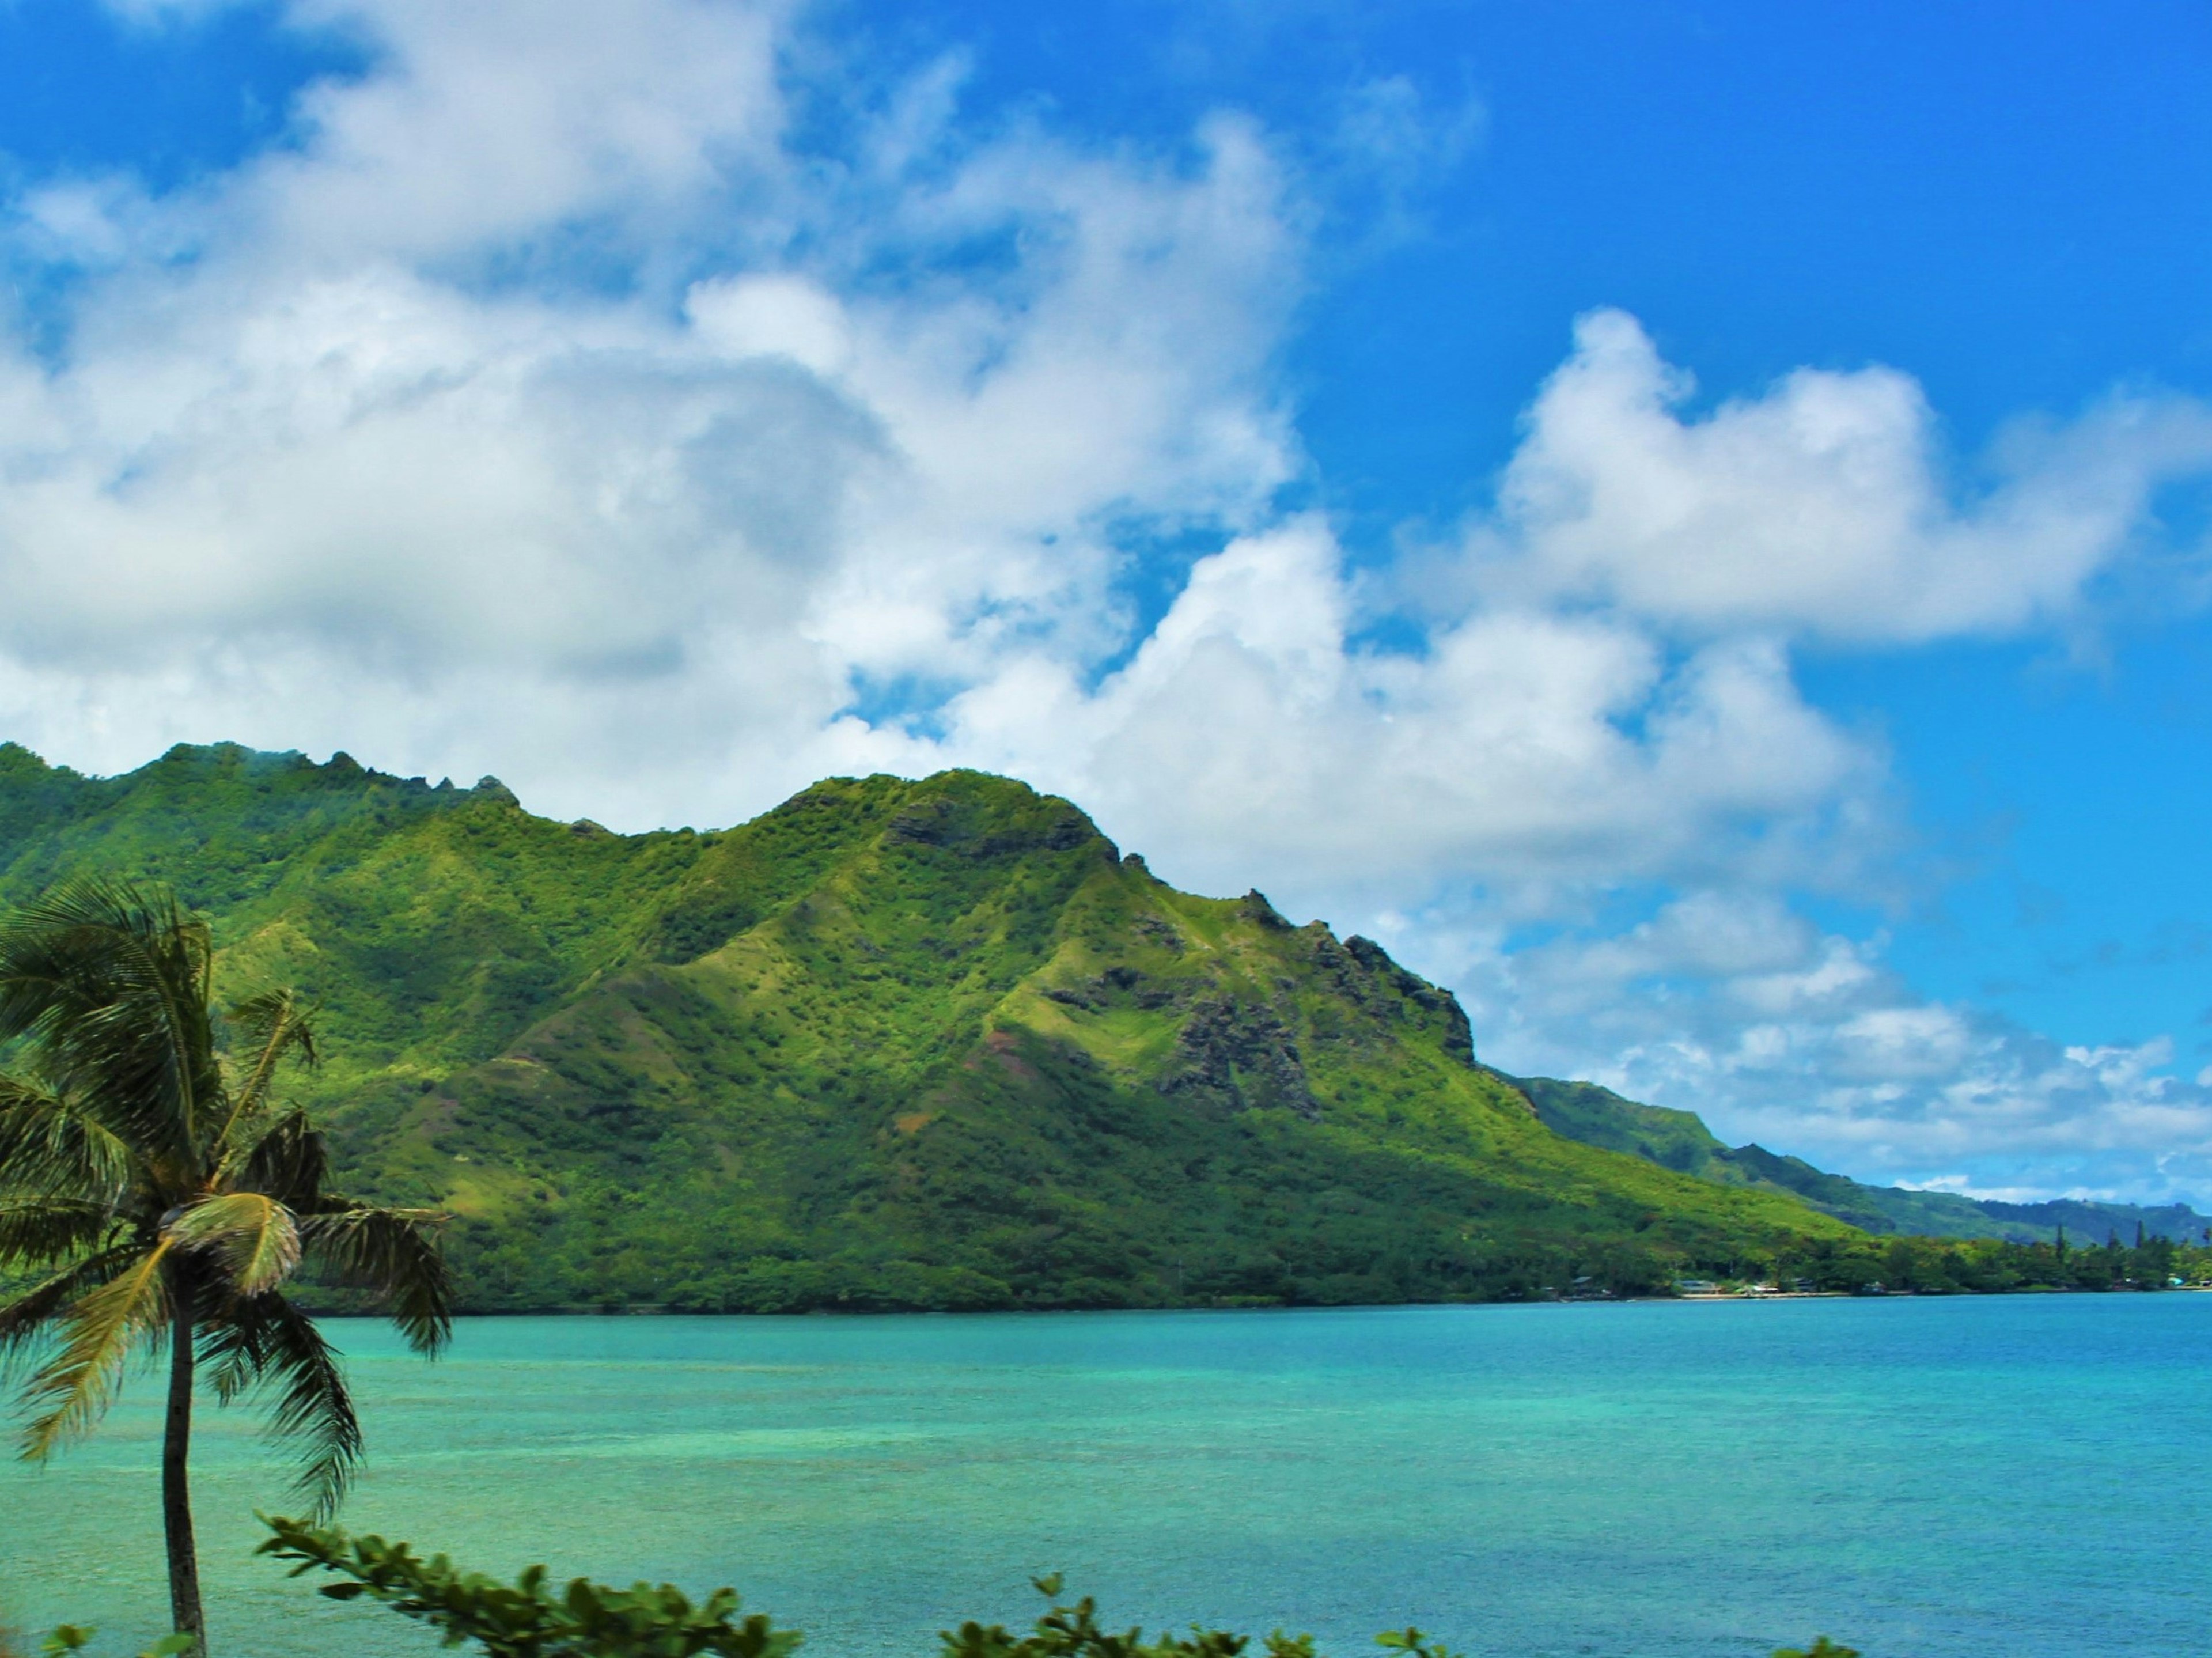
[(50, 1145), (47, 1231), (99, 1330), (394, 1252), (256, 1238), (109, 982), (275, 1026), (287, 1160), (265, 1342), (30, 1313), (526, 1619)]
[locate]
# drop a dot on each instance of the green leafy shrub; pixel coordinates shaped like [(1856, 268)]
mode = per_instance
[(1066, 1631), (529, 1619)]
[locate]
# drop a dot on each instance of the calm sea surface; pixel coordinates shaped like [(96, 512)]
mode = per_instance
[(2008, 1478)]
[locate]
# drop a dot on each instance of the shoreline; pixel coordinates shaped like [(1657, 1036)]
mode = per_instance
[(1702, 1297)]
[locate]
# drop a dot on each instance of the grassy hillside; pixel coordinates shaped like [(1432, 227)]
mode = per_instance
[(1680, 1140), (930, 1044)]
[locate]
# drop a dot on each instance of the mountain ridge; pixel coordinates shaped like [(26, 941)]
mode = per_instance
[(1680, 1140), (895, 1042)]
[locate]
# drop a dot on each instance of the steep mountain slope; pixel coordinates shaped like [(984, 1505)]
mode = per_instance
[(892, 1044), (1680, 1140)]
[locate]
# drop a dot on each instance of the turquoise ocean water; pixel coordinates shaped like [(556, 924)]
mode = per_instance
[(2008, 1477)]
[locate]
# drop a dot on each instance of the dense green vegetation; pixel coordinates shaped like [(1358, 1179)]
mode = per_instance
[(927, 1044), (1680, 1140), (1994, 1266)]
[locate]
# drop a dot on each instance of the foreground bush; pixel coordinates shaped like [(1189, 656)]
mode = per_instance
[(75, 1638), (528, 1619)]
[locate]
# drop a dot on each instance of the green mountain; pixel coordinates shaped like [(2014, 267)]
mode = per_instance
[(1680, 1140), (921, 1044)]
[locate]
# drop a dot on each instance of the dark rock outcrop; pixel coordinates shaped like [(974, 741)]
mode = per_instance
[(1234, 1056)]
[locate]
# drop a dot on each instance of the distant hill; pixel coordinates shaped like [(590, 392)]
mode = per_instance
[(1680, 1140), (892, 1044)]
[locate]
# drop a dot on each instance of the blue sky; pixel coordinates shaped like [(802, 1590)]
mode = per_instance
[(1688, 521)]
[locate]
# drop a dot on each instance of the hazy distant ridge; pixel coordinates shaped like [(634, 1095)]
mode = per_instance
[(1680, 1140)]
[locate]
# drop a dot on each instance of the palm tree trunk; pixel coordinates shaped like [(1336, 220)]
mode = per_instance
[(185, 1614)]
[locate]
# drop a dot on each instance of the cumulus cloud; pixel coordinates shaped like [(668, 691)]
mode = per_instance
[(324, 481), (1542, 751), (560, 401), (368, 452), (1822, 506)]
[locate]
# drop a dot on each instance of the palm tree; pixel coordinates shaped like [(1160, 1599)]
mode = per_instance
[(157, 1190)]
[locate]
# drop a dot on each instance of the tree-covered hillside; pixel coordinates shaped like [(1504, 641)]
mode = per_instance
[(921, 1044), (1680, 1140)]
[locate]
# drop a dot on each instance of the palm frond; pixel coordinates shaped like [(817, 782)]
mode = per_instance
[(23, 1318), (263, 1341), (48, 1144), (99, 1329), (394, 1252), (256, 1238), (287, 1160), (275, 1026), (43, 1230), (109, 982)]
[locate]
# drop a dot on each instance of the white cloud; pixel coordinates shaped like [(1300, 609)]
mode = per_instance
[(545, 407), (779, 315), (1725, 1003), (1822, 507), (322, 481), (324, 478), (509, 122), (1248, 733)]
